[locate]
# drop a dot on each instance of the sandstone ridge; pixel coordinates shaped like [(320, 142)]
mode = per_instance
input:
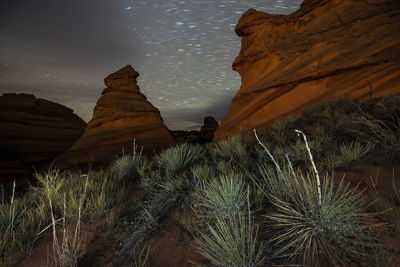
[(326, 49)]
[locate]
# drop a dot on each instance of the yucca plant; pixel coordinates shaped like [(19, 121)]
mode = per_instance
[(346, 154), (178, 158), (317, 223), (224, 196), (231, 242), (275, 183), (335, 231), (128, 166)]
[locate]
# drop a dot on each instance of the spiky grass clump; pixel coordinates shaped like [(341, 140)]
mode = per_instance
[(347, 154), (334, 232), (105, 190), (314, 222), (231, 242), (224, 196), (178, 158), (19, 224), (11, 215), (69, 250), (128, 167)]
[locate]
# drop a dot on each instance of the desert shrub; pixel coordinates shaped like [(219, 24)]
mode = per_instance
[(335, 231), (19, 225), (204, 172), (129, 167), (11, 218), (178, 158), (104, 191), (275, 183), (230, 148), (384, 135), (345, 155), (231, 242), (314, 222), (233, 152)]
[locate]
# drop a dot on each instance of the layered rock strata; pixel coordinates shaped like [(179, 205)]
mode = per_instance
[(33, 132), (121, 117), (327, 49)]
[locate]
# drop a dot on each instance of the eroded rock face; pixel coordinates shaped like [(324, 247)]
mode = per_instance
[(33, 132), (206, 133), (122, 115), (327, 49)]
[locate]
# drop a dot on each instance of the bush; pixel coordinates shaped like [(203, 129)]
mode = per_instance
[(18, 224), (105, 190), (224, 196), (334, 232), (346, 154), (179, 158), (231, 242), (128, 167)]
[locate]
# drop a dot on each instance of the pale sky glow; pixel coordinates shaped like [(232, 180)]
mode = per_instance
[(182, 49)]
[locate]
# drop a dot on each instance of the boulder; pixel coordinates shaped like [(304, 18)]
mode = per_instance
[(327, 49)]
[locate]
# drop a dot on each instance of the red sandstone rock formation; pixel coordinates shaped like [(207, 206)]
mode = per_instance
[(122, 115), (327, 49), (206, 133), (33, 131)]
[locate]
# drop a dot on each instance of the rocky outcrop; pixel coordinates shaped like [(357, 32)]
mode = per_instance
[(327, 49), (121, 117), (206, 133), (33, 132)]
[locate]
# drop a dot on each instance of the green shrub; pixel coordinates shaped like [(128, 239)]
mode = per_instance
[(128, 167), (231, 242), (204, 172), (105, 190), (230, 148), (179, 158), (334, 232), (275, 184), (19, 224), (224, 196), (346, 154)]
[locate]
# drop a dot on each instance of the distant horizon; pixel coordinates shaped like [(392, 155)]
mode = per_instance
[(182, 49)]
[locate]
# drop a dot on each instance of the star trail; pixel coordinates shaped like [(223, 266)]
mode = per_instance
[(183, 50)]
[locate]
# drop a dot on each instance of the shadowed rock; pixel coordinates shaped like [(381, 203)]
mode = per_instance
[(327, 49), (33, 132), (206, 133)]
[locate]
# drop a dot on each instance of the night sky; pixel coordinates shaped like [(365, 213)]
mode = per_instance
[(182, 49)]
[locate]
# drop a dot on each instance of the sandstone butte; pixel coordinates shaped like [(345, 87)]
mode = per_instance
[(206, 133), (33, 132), (327, 49), (121, 117)]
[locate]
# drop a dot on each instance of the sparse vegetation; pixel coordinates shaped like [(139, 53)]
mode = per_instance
[(241, 204), (178, 158), (231, 242)]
